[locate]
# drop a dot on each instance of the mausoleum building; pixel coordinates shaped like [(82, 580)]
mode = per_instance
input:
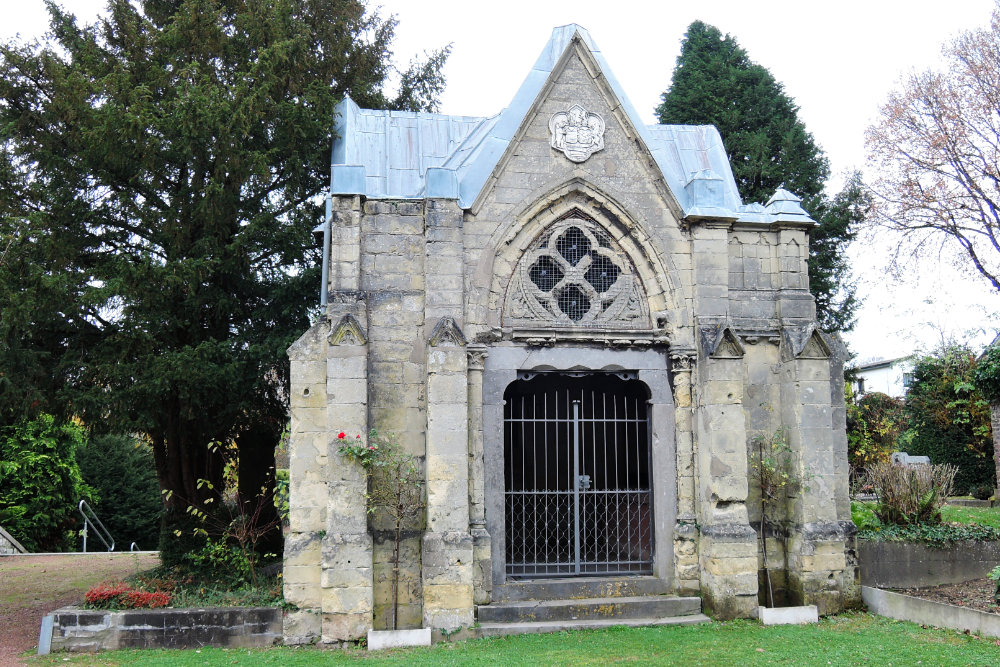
[(580, 329)]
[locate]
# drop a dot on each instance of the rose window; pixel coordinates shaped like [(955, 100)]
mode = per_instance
[(574, 274)]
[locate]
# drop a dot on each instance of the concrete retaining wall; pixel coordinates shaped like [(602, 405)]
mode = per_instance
[(907, 565), (936, 614), (75, 629)]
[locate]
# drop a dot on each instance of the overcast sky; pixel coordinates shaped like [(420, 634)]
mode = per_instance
[(838, 60)]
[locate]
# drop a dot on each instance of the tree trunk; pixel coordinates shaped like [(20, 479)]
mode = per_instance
[(995, 424)]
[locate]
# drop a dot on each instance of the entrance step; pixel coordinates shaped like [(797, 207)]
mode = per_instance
[(579, 588), (503, 629), (590, 609)]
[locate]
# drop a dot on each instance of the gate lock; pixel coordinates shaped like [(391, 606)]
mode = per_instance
[(583, 482)]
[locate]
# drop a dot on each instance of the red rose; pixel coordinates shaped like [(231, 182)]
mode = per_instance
[(341, 435)]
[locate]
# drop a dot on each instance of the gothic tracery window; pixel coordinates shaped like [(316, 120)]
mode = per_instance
[(575, 275)]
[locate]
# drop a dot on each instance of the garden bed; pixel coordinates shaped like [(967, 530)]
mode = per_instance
[(976, 594)]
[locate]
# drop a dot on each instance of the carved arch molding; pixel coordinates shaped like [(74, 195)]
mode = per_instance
[(575, 275)]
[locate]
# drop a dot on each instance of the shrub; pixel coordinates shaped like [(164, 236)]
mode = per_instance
[(874, 425), (949, 419), (119, 595), (909, 495), (40, 482), (981, 491), (121, 470)]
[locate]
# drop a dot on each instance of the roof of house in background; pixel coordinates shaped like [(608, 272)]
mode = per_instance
[(402, 155)]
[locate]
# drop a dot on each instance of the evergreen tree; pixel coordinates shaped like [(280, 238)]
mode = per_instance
[(716, 83), (158, 183)]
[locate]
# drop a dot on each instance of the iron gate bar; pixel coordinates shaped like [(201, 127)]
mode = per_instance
[(582, 502)]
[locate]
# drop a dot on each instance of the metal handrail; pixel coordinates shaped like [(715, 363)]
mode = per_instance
[(99, 528)]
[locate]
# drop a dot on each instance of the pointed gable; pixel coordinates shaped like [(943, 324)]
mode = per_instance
[(400, 155)]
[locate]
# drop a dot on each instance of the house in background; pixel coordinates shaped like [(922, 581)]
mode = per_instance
[(888, 376)]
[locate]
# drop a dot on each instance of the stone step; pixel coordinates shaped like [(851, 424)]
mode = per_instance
[(576, 588), (503, 629), (643, 606)]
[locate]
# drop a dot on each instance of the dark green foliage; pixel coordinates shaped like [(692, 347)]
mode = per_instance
[(939, 535), (40, 483), (986, 376), (716, 83), (159, 175), (127, 496), (981, 491), (949, 419)]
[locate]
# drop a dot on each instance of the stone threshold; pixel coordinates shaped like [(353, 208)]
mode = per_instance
[(926, 612)]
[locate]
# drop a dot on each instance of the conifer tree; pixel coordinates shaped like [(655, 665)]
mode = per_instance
[(159, 178), (716, 83)]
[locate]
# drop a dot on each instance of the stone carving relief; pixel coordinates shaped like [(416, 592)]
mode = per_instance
[(347, 331), (575, 275), (577, 133)]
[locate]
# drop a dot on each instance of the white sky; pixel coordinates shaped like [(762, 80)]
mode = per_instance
[(838, 60)]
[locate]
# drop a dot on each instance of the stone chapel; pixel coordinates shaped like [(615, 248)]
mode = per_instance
[(579, 328)]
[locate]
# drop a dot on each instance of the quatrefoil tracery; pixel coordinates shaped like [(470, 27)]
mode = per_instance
[(573, 274)]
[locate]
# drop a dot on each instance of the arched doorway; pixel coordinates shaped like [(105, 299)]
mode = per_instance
[(577, 482)]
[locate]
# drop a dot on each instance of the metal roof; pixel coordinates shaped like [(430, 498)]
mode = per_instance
[(403, 155)]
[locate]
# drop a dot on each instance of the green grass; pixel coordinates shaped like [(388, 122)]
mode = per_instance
[(848, 639), (984, 516)]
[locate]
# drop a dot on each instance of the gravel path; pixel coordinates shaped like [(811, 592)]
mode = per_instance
[(32, 586)]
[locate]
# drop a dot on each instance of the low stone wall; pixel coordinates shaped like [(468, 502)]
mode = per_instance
[(907, 565), (967, 502), (927, 612), (75, 629)]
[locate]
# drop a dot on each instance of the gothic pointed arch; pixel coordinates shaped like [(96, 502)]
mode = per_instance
[(616, 278)]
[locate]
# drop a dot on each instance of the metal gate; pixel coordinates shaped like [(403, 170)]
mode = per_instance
[(576, 475)]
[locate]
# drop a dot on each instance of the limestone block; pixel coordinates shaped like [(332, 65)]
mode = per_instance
[(303, 596), (447, 388), (447, 361), (341, 368), (345, 627), (447, 467), (302, 626), (308, 372), (307, 576), (347, 601), (347, 550), (306, 518), (346, 577), (447, 505), (450, 425), (301, 549), (305, 420)]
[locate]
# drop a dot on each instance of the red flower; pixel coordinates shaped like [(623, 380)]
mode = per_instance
[(341, 435)]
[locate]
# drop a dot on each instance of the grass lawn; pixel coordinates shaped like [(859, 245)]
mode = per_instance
[(848, 639), (984, 516)]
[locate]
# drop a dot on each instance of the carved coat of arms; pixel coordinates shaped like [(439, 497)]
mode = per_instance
[(576, 132)]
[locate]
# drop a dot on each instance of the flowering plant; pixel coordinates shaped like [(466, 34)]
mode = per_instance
[(119, 595), (367, 454)]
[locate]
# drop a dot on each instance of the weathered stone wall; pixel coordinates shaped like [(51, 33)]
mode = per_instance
[(235, 627), (416, 314)]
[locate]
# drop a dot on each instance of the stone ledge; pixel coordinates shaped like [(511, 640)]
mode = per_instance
[(926, 612), (908, 565), (75, 629)]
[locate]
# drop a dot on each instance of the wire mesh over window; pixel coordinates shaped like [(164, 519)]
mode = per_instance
[(577, 476), (575, 275)]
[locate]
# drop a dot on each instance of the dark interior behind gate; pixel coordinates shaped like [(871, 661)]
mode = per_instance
[(576, 474)]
